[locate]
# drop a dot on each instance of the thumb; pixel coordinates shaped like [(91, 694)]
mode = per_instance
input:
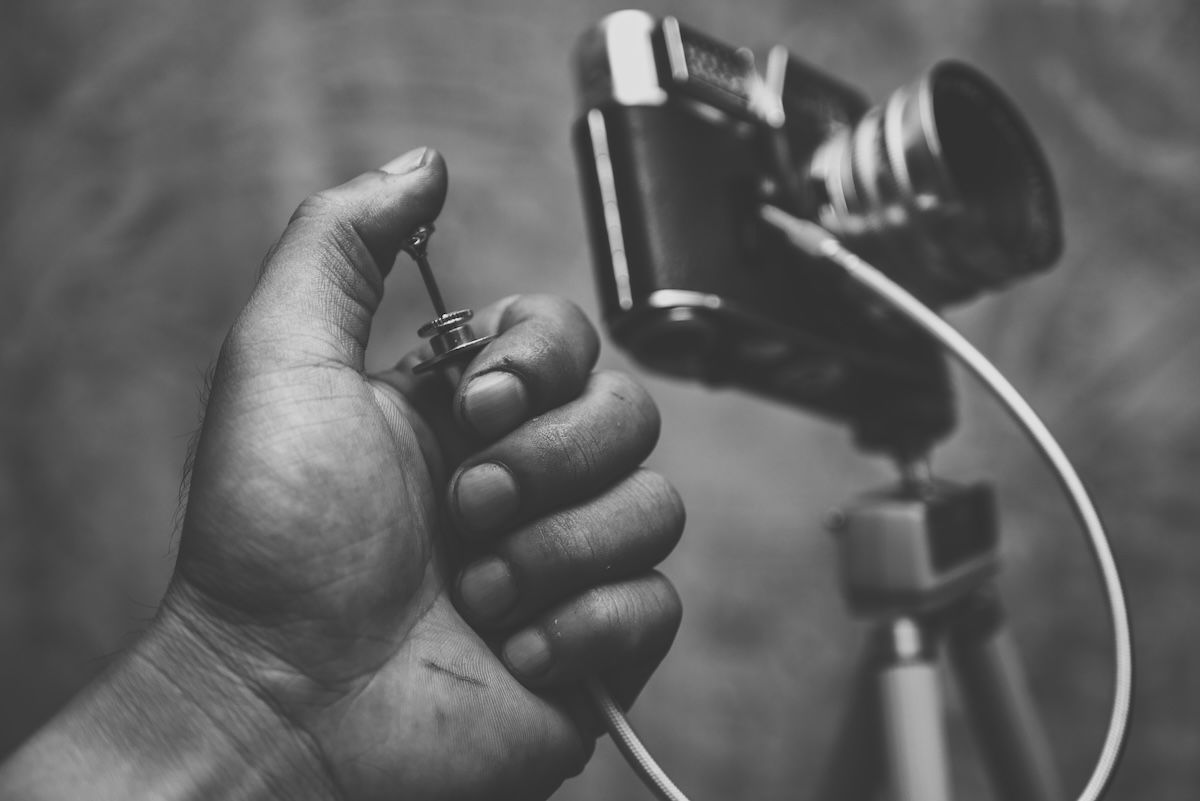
[(322, 282)]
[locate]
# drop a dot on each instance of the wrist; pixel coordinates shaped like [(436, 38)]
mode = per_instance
[(172, 719)]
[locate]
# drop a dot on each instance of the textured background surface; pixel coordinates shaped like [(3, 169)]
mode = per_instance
[(151, 152)]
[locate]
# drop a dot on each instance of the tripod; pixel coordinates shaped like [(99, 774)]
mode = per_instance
[(919, 560)]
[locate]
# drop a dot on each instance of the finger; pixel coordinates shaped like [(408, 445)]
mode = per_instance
[(541, 357), (556, 459), (546, 347), (323, 281), (616, 632), (624, 532)]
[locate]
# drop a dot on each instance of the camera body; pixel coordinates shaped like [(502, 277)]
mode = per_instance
[(680, 144)]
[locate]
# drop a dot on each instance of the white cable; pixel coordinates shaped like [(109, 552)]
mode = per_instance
[(818, 242), (627, 742)]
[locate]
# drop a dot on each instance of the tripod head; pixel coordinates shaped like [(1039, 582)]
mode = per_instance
[(916, 547)]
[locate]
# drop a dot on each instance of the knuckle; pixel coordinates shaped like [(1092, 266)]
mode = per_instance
[(541, 346), (656, 489), (626, 394), (533, 353), (561, 540), (621, 385), (664, 502), (326, 222), (638, 612), (576, 316), (556, 306), (661, 606), (618, 621), (563, 317), (571, 450), (316, 206), (670, 604), (607, 605)]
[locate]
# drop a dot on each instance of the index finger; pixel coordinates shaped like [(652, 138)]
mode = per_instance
[(543, 352)]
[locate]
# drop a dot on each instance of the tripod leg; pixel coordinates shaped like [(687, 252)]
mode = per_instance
[(1011, 737), (910, 697), (855, 770)]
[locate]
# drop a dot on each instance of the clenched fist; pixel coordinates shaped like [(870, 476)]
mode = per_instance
[(387, 587)]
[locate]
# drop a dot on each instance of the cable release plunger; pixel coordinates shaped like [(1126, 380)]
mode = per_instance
[(449, 333)]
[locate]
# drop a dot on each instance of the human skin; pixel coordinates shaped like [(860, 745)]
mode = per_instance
[(387, 587)]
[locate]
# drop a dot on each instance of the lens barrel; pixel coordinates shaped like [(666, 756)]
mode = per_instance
[(943, 185)]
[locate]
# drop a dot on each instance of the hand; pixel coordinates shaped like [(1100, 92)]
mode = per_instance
[(316, 539), (321, 619)]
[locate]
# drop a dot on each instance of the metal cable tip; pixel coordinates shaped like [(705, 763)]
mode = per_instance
[(449, 334)]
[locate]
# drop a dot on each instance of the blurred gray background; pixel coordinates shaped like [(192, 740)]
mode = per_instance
[(151, 152)]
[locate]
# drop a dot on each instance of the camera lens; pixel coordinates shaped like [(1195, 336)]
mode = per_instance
[(943, 185)]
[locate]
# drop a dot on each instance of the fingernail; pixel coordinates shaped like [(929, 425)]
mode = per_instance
[(487, 588), (495, 403), (410, 161), (528, 653), (486, 496)]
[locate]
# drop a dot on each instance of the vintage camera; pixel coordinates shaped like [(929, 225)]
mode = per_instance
[(682, 141)]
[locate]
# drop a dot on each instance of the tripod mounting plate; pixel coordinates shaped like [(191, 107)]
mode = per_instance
[(906, 550)]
